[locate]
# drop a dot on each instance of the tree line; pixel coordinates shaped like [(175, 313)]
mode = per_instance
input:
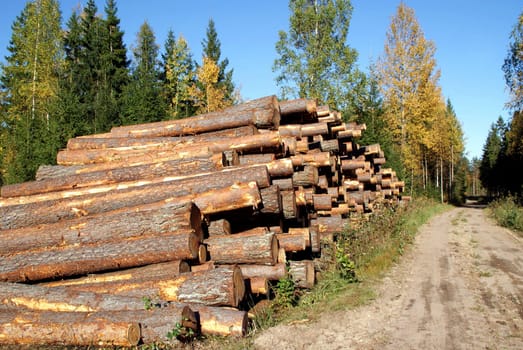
[(502, 158), (60, 84)]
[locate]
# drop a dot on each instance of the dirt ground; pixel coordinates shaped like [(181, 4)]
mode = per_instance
[(459, 287)]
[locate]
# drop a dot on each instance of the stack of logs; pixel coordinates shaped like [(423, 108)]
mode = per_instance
[(159, 231)]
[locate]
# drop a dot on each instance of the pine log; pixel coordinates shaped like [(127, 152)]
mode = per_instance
[(27, 211), (237, 196), (280, 168), (323, 182), (304, 231), (323, 110), (379, 161), (262, 113), (66, 328), (288, 199), (202, 254), (297, 106), (160, 270), (317, 159), (315, 238), (221, 321), (259, 285), (292, 242), (302, 273), (331, 146), (282, 256), (197, 164), (348, 134), (220, 227), (302, 146), (256, 158), (208, 265), (38, 298), (104, 177), (328, 225), (322, 202), (290, 145), (244, 248), (348, 165), (307, 177), (95, 142), (144, 220), (220, 286), (284, 184), (271, 200), (270, 272), (73, 261)]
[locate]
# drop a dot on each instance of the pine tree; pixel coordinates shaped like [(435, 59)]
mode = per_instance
[(490, 161), (142, 99), (29, 85), (314, 60), (178, 75), (211, 47)]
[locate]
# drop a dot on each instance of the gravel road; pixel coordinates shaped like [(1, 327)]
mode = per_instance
[(459, 287)]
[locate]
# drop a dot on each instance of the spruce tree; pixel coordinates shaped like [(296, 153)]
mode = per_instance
[(142, 99), (211, 46)]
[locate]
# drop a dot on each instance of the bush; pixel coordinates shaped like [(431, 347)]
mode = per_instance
[(507, 212)]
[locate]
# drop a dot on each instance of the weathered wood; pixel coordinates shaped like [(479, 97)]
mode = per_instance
[(270, 272), (263, 113), (288, 200), (280, 168), (39, 298), (323, 182), (307, 177), (95, 142), (304, 231), (292, 242), (323, 110), (59, 262), (66, 328), (244, 248), (258, 285), (220, 227), (295, 106), (47, 208), (350, 165), (271, 199), (331, 146), (160, 270), (315, 237), (256, 158), (302, 273), (284, 184), (221, 321), (144, 220), (104, 177), (202, 254), (317, 159), (322, 202), (328, 225), (237, 196)]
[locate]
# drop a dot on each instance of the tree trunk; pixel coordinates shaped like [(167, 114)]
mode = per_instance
[(292, 242), (51, 207), (221, 321), (39, 298), (159, 271), (317, 159), (258, 285), (300, 105), (111, 176), (270, 272), (307, 177), (66, 328), (271, 199), (302, 273), (59, 262), (244, 248), (220, 227), (262, 113), (288, 199), (144, 220)]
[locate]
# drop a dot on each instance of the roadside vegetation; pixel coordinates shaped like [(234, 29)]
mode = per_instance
[(360, 255), (508, 212)]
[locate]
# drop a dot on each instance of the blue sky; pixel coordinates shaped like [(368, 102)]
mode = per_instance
[(471, 38)]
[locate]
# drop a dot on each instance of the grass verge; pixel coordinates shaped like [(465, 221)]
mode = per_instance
[(507, 213)]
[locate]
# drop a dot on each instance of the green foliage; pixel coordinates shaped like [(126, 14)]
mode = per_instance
[(285, 294), (180, 332), (513, 66), (314, 60), (142, 99), (508, 212)]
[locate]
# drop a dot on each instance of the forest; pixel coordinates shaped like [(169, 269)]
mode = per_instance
[(65, 79)]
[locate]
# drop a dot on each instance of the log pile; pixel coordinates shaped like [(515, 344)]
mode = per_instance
[(156, 232)]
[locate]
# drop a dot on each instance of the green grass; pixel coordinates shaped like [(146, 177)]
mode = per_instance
[(507, 213)]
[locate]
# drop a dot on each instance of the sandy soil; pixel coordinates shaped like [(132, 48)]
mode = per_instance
[(460, 287)]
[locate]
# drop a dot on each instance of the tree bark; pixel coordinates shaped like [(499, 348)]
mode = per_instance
[(302, 273), (144, 220), (307, 177), (258, 285), (262, 113), (300, 105), (104, 177), (66, 328), (220, 227), (39, 298), (288, 199), (317, 159), (271, 199), (59, 262), (244, 248), (292, 242), (221, 321), (51, 207)]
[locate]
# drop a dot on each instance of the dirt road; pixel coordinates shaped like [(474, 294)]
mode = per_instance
[(460, 287)]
